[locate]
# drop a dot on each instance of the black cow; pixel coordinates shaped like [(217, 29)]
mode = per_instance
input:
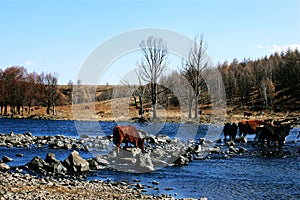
[(230, 129), (273, 133)]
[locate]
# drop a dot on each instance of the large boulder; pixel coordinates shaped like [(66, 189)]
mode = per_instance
[(37, 163), (75, 163), (54, 165)]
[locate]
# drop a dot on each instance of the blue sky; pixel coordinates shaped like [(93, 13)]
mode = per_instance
[(58, 35)]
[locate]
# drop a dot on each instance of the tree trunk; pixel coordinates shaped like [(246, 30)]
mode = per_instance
[(196, 108), (53, 108), (154, 99), (48, 108), (141, 112), (190, 102)]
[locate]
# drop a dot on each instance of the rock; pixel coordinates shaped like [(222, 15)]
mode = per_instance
[(84, 136), (68, 146), (19, 155), (233, 149), (181, 161), (75, 163), (28, 134), (37, 163), (58, 168), (198, 148), (127, 161), (215, 150), (144, 163), (54, 165), (241, 140), (219, 141), (242, 150), (50, 158), (139, 186), (19, 170), (163, 139), (93, 164), (101, 161), (230, 143), (4, 167), (6, 159), (155, 182)]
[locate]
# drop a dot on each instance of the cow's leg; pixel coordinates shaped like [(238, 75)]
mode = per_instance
[(280, 145), (268, 144), (118, 146), (262, 144), (225, 137), (257, 135)]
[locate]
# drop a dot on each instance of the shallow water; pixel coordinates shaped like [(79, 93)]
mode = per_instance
[(234, 178)]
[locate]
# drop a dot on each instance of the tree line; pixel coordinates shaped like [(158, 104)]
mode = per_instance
[(18, 89), (270, 82)]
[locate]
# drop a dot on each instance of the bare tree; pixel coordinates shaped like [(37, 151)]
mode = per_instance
[(48, 83), (152, 65), (194, 67), (137, 91)]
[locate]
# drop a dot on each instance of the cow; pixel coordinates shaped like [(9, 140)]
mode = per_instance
[(273, 133), (127, 134), (230, 129), (249, 126)]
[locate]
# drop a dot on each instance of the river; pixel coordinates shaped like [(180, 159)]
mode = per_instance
[(233, 178)]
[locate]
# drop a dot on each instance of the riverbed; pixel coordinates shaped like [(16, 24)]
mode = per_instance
[(261, 177)]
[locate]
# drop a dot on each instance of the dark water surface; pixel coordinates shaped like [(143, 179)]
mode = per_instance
[(235, 178)]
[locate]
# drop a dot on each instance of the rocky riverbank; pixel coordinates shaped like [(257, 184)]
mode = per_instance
[(64, 179), (24, 186), (160, 151)]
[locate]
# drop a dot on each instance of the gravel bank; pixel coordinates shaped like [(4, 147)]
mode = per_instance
[(24, 186)]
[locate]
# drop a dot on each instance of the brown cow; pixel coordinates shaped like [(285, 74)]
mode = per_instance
[(126, 134), (249, 126)]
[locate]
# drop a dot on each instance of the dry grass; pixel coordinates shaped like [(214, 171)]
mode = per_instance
[(119, 110)]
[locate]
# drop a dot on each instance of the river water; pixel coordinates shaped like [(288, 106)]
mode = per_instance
[(234, 178)]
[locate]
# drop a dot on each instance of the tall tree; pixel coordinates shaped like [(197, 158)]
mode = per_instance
[(193, 70), (31, 90), (152, 65)]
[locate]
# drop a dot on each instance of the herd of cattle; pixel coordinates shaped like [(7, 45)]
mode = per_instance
[(266, 131)]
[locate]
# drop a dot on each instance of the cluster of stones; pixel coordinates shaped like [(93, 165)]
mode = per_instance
[(160, 151), (25, 186), (27, 140)]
